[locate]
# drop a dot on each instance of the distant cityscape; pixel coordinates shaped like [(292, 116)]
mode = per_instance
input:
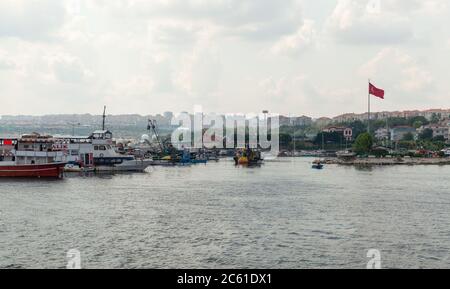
[(134, 125)]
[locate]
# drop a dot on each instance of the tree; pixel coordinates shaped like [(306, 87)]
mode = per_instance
[(435, 118), (285, 140), (439, 138), (418, 119), (408, 137), (363, 143), (426, 134), (328, 138), (417, 124)]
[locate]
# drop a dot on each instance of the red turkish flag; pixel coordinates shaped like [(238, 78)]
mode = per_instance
[(376, 91)]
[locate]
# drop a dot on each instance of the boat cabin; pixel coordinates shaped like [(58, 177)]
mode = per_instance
[(7, 144), (102, 137), (37, 149)]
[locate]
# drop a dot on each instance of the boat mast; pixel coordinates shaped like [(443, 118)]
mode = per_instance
[(104, 117)]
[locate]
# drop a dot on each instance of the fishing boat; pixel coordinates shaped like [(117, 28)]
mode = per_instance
[(248, 157), (167, 155), (34, 156)]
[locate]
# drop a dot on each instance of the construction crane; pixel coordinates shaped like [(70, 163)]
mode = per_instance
[(153, 127)]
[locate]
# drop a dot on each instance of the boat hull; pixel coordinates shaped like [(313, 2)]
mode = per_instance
[(127, 166), (54, 170)]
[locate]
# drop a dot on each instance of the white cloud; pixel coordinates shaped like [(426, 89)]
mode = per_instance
[(31, 19), (399, 71), (69, 69), (6, 62), (149, 56), (254, 19), (381, 21), (297, 42), (356, 22)]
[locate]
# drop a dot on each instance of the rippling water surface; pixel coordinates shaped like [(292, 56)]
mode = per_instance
[(281, 215)]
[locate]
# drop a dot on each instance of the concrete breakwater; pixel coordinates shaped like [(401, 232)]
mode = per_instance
[(388, 161)]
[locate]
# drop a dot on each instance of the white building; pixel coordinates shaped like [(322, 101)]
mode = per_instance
[(382, 134)]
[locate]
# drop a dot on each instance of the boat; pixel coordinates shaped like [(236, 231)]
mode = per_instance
[(34, 156), (317, 164), (248, 157), (13, 170), (97, 153), (77, 167), (346, 154), (212, 155)]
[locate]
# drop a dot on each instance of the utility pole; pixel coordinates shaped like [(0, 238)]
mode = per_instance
[(73, 124), (104, 117)]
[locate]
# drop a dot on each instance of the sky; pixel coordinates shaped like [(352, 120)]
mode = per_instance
[(293, 57)]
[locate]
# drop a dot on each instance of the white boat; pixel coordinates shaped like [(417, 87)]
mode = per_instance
[(446, 152), (33, 156), (97, 152), (345, 154)]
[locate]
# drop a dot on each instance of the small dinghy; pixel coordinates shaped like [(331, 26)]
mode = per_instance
[(317, 165)]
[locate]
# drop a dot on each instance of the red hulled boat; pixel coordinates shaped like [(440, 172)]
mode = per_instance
[(34, 156), (52, 170)]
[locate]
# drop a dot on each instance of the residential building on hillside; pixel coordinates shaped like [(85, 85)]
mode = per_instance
[(323, 121), (399, 132), (346, 132), (439, 130), (382, 134)]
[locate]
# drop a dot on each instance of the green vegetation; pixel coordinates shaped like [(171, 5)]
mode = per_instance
[(312, 137), (427, 134), (363, 144)]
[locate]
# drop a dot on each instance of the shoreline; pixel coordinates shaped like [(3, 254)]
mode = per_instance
[(388, 161)]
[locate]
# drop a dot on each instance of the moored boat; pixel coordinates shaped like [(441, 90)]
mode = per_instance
[(34, 156), (248, 157), (51, 170), (97, 153)]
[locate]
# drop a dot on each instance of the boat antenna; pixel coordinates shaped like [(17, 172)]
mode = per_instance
[(104, 117)]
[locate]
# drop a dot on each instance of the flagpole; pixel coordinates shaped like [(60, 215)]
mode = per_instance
[(368, 111)]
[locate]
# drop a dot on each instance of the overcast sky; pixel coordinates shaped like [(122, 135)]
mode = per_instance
[(310, 57)]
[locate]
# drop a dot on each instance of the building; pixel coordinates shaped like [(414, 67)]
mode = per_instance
[(348, 117), (323, 121), (345, 131), (382, 134), (399, 132), (295, 121), (301, 120), (439, 130)]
